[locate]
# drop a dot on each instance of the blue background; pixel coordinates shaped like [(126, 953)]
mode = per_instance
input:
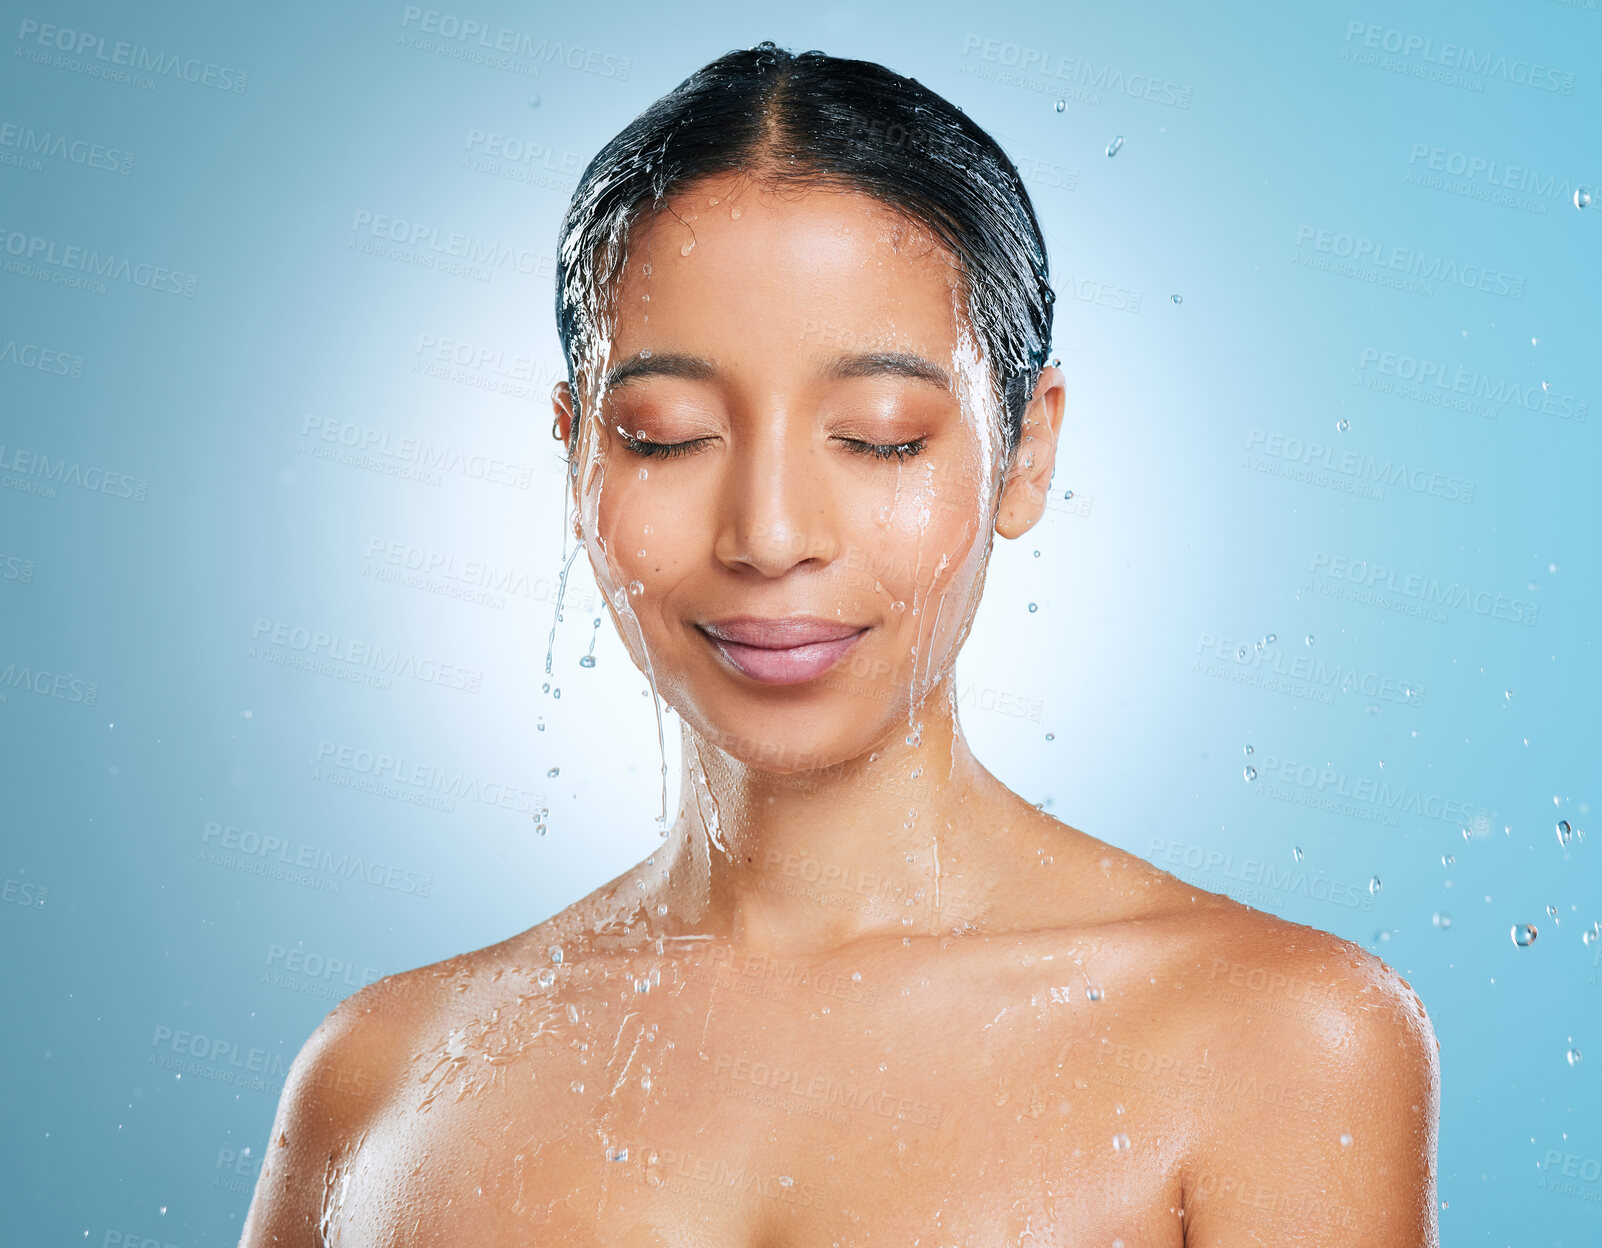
[(1311, 209)]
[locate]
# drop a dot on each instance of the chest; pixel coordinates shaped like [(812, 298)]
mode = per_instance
[(815, 1115)]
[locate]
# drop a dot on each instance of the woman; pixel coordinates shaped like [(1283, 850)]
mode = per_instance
[(863, 993)]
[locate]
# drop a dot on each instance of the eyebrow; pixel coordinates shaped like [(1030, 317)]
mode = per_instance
[(890, 363), (868, 364)]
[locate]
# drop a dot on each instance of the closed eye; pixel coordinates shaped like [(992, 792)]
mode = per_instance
[(884, 450), (660, 450)]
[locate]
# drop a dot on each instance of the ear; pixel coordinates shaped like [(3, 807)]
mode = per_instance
[(1023, 496), (562, 405), (562, 431)]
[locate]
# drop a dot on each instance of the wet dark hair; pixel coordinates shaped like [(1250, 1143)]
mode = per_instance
[(814, 119)]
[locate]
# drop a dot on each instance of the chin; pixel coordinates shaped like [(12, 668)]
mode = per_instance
[(778, 731)]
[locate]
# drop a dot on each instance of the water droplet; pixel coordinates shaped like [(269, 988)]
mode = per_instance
[(1309, 638), (1249, 751), (1240, 653), (1271, 638), (1250, 773), (1582, 197), (1551, 913), (1564, 833), (1120, 1141), (689, 246), (554, 772), (1037, 554), (1115, 145), (1448, 859), (1296, 853), (539, 829), (576, 1086), (1574, 1057), (1051, 736), (533, 101), (636, 588), (587, 661), (1373, 885), (1061, 105), (1441, 920), (1067, 494), (555, 952), (1177, 299), (1093, 993), (1343, 424), (1346, 1140), (617, 1154), (547, 977), (1523, 934), (645, 474), (734, 212)]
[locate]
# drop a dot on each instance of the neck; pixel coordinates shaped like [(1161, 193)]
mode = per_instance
[(807, 861)]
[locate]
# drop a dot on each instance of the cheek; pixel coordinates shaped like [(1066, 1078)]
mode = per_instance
[(650, 531)]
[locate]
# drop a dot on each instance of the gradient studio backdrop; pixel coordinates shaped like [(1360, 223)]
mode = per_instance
[(1329, 315)]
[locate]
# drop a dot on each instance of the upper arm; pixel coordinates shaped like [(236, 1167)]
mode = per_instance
[(331, 1093), (1326, 1135)]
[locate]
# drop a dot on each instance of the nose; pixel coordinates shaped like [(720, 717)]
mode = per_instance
[(777, 507)]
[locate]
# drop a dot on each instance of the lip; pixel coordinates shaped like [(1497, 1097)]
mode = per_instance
[(785, 650)]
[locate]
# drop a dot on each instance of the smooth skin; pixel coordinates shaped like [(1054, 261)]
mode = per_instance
[(863, 993)]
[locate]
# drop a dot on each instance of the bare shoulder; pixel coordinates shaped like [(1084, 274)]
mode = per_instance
[(1321, 1083), (347, 1075)]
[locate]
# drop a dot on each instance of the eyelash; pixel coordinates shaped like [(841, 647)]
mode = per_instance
[(901, 450), (668, 450)]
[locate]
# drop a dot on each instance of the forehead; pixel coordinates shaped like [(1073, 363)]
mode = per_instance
[(733, 260)]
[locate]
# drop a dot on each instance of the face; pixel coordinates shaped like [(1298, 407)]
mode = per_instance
[(790, 466)]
